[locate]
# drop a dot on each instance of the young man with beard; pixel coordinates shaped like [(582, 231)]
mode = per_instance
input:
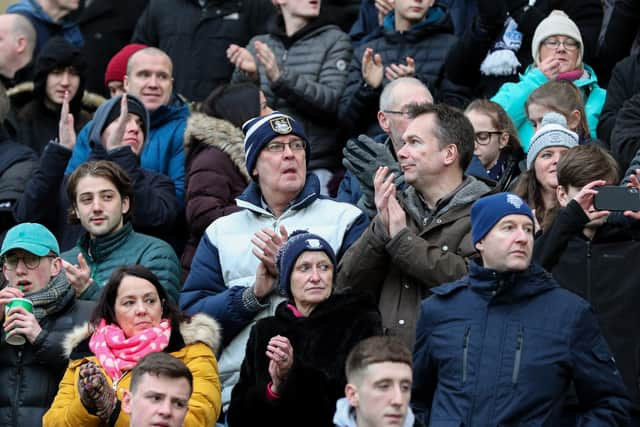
[(102, 201)]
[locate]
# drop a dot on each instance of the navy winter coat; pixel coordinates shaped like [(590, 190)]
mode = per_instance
[(501, 349)]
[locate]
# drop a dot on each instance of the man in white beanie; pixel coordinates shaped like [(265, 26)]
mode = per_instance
[(557, 51)]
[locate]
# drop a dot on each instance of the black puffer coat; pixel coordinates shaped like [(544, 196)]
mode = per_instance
[(30, 373), (314, 64), (427, 42), (196, 38)]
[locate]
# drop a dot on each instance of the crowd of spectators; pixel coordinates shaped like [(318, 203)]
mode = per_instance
[(314, 206)]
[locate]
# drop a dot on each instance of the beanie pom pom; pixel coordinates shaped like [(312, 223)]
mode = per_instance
[(555, 119)]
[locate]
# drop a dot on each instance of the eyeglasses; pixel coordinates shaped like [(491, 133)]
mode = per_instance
[(569, 44), (404, 114), (278, 147), (484, 137), (30, 260)]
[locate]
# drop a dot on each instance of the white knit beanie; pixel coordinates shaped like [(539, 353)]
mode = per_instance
[(553, 132), (556, 24)]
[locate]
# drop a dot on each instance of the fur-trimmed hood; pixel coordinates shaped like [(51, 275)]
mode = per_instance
[(22, 93), (218, 133), (200, 328)]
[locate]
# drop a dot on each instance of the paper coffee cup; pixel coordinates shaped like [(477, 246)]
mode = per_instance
[(17, 339)]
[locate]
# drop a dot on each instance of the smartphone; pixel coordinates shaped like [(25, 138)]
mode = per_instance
[(614, 198)]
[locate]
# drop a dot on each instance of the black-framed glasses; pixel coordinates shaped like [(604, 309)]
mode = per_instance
[(278, 147), (404, 114), (484, 137), (30, 260), (569, 44)]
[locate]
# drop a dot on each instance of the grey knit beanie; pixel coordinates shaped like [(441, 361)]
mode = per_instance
[(553, 132)]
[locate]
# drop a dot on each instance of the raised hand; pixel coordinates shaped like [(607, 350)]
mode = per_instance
[(242, 59), (585, 199), (550, 67), (384, 189), (395, 71), (79, 276), (96, 394), (634, 182), (20, 321), (280, 354), (267, 242), (372, 68), (116, 137), (268, 60), (66, 131)]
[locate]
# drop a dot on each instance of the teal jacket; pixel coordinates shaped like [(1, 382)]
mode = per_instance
[(126, 247), (512, 97)]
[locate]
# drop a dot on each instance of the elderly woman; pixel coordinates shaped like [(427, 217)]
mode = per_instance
[(293, 371), (133, 318), (557, 50), (537, 186)]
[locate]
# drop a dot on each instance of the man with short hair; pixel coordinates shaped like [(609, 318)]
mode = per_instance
[(48, 18), (161, 386), (150, 78), (378, 387), (102, 199), (363, 156), (31, 371), (17, 44), (422, 238), (504, 344), (236, 248)]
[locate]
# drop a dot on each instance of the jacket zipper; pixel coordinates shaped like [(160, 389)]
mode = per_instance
[(465, 353), (516, 363), (588, 270), (16, 402)]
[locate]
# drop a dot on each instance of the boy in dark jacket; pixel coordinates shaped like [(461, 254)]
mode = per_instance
[(502, 345), (596, 258)]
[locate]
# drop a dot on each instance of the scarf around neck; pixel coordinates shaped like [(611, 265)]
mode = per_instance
[(53, 298), (117, 353)]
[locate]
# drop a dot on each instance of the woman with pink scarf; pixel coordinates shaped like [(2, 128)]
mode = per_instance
[(133, 318)]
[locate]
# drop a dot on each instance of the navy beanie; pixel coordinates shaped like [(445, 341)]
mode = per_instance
[(259, 131), (299, 241), (487, 211)]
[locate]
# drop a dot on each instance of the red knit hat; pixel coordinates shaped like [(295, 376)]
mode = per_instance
[(117, 67)]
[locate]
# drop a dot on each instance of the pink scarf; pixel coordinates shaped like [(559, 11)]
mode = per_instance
[(117, 353)]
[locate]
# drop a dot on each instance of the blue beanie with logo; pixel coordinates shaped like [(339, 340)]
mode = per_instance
[(487, 211), (259, 131), (299, 241)]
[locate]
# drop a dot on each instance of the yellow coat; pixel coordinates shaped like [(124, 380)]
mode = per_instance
[(201, 337)]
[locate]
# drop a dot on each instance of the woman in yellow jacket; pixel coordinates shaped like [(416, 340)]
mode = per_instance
[(133, 318)]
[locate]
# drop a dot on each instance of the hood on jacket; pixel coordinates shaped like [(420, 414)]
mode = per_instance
[(200, 328), (99, 122), (436, 20), (218, 133), (57, 53), (345, 415)]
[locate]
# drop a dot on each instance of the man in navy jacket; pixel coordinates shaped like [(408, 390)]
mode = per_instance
[(502, 345)]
